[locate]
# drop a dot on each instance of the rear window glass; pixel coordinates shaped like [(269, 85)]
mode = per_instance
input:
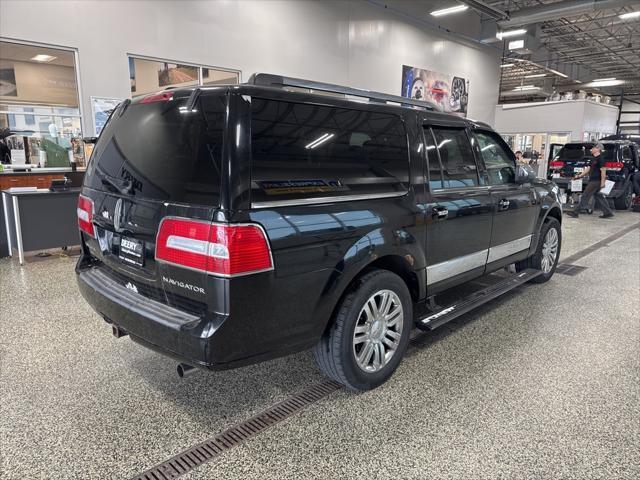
[(163, 153), (302, 151), (581, 151)]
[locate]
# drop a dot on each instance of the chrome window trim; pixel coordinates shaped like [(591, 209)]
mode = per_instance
[(321, 200)]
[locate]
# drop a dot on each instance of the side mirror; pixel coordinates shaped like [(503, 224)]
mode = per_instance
[(524, 174)]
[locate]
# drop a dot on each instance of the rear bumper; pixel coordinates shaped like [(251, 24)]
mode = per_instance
[(173, 332), (565, 184)]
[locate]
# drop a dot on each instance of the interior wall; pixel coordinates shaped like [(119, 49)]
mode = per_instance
[(353, 42)]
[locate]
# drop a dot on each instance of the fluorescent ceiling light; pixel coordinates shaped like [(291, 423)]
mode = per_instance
[(560, 74), (526, 87), (507, 65), (606, 83), (515, 44), (537, 75), (511, 33), (447, 11), (603, 79), (319, 141), (626, 16), (43, 58)]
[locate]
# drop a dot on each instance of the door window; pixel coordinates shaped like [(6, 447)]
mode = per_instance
[(433, 162), (456, 157), (498, 161)]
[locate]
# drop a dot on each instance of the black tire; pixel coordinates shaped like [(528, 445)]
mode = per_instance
[(335, 354), (536, 260), (623, 202)]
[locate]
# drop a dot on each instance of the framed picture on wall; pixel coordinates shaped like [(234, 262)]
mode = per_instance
[(450, 92), (101, 108)]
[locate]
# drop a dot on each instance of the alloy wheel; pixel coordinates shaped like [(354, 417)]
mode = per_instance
[(378, 331), (549, 250)]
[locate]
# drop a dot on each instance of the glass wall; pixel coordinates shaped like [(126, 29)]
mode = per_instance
[(40, 121), (535, 147), (151, 75)]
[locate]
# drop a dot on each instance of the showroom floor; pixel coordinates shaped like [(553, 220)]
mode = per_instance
[(541, 383)]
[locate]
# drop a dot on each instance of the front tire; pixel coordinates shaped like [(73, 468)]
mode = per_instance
[(547, 252), (370, 332)]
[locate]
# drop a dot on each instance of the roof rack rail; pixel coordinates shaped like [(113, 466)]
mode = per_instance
[(268, 79)]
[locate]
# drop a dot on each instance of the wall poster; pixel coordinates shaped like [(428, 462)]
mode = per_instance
[(451, 93), (101, 108)]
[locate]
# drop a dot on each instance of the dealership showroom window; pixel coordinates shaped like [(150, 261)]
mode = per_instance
[(292, 239)]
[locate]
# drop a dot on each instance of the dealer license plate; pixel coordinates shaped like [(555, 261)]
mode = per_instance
[(578, 170), (131, 251)]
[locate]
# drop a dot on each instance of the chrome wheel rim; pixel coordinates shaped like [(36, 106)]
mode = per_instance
[(378, 331), (549, 250)]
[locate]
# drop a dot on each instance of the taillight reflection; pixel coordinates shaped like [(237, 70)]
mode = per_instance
[(85, 215)]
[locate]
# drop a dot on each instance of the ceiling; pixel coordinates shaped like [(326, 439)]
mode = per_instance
[(24, 53), (568, 43)]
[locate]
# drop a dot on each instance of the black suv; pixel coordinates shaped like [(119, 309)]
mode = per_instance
[(229, 225), (622, 160)]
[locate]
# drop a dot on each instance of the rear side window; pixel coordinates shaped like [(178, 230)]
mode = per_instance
[(456, 157), (303, 151), (577, 152), (435, 170), (626, 153), (164, 153)]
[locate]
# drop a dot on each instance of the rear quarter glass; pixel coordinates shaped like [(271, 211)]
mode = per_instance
[(165, 154)]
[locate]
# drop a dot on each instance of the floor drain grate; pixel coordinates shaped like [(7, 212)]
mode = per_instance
[(210, 449), (568, 269)]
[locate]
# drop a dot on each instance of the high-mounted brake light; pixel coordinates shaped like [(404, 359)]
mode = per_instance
[(158, 97), (615, 166), (219, 249), (556, 164), (85, 215)]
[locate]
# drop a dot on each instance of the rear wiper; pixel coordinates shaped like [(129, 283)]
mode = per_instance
[(125, 187)]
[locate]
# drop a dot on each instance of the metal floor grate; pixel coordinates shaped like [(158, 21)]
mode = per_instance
[(569, 269), (210, 449)]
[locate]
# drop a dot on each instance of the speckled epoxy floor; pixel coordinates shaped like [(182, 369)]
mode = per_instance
[(542, 383)]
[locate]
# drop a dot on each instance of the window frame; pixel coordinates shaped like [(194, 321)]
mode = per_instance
[(315, 200), (430, 127)]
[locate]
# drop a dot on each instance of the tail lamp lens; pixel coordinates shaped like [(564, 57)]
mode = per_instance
[(219, 249), (85, 215), (617, 166), (556, 164)]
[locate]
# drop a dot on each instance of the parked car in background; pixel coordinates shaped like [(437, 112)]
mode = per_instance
[(622, 160)]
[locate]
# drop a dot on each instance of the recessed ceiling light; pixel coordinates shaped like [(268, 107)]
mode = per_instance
[(511, 33), (516, 44), (507, 65), (603, 79), (447, 11), (627, 16), (537, 75), (41, 57)]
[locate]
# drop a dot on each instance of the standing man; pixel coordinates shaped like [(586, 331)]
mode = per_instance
[(597, 177)]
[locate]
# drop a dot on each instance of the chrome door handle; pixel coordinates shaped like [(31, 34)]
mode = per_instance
[(504, 204)]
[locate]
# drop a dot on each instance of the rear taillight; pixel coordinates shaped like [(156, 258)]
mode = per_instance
[(615, 166), (556, 164), (85, 215), (219, 249), (158, 97)]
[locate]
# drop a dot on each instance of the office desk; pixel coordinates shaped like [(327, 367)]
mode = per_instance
[(40, 219)]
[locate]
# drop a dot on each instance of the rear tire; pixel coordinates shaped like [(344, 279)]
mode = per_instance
[(547, 252), (623, 202), (369, 334)]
